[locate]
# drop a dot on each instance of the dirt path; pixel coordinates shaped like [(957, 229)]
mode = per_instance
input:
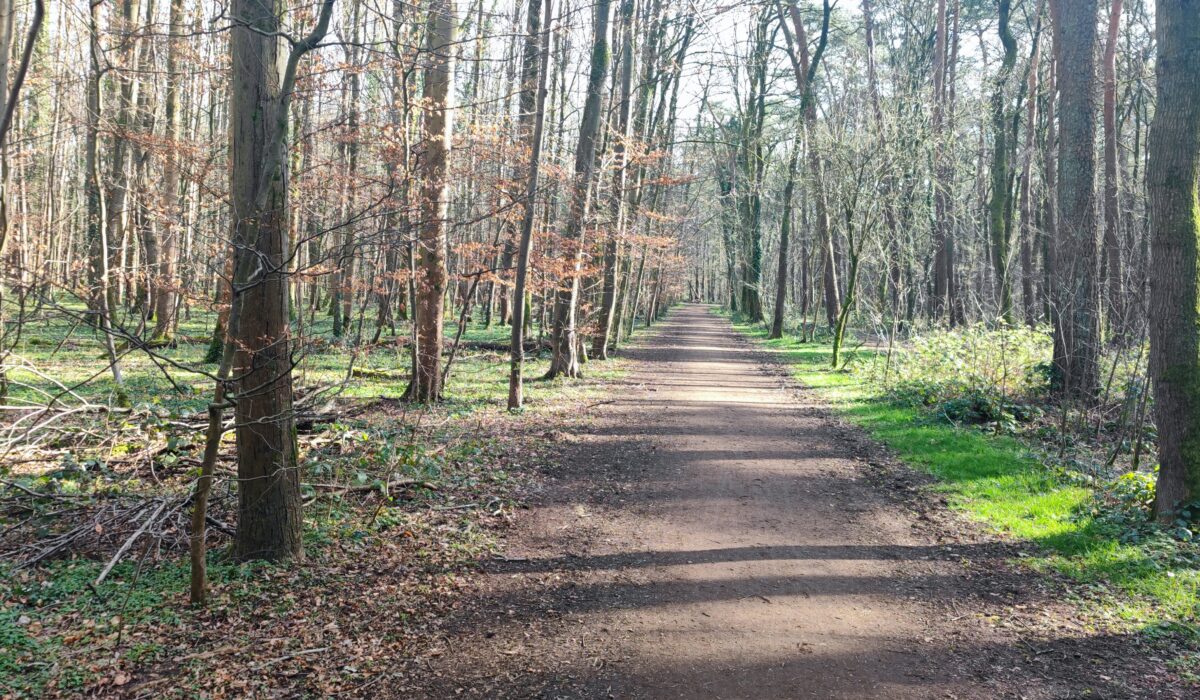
[(711, 536)]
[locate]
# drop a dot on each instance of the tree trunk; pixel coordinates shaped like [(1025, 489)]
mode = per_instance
[(616, 201), (1028, 230), (785, 230), (1172, 172), (270, 523), (1000, 205), (943, 264), (565, 358), (806, 71), (100, 297), (1114, 291), (165, 281), (537, 53), (431, 278), (1076, 295)]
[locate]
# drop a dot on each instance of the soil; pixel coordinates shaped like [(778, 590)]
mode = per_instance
[(715, 532)]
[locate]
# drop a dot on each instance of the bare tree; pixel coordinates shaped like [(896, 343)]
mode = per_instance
[(537, 52), (616, 196), (565, 346), (433, 166)]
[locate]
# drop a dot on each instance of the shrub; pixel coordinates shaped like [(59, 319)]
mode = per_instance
[(976, 374)]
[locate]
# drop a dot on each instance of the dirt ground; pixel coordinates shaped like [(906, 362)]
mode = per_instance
[(714, 532)]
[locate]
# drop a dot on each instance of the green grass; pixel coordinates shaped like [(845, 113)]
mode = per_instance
[(56, 351), (1142, 582)]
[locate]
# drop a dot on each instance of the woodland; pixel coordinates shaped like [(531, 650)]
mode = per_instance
[(362, 347)]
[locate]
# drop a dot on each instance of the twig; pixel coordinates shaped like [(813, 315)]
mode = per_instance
[(129, 543), (374, 486), (463, 506), (286, 657)]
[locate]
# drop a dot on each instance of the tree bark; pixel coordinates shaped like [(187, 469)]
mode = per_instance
[(100, 297), (943, 265), (1000, 205), (270, 522), (1114, 290), (1028, 229), (431, 279), (1172, 172), (539, 50), (616, 201), (805, 69), (785, 230), (1074, 306), (165, 280), (565, 358)]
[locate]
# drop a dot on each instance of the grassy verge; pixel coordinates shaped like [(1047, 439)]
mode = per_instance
[(1142, 580)]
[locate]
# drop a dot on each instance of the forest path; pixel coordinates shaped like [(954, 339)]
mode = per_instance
[(710, 535)]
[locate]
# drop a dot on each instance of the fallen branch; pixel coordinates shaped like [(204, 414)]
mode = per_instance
[(129, 543), (462, 506), (287, 657), (389, 374), (374, 486)]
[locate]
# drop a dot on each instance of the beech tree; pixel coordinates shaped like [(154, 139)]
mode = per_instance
[(537, 54), (432, 164), (563, 340)]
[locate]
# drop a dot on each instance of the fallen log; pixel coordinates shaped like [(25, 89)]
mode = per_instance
[(370, 373), (374, 486)]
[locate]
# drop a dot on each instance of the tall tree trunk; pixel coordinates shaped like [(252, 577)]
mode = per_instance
[(116, 201), (537, 53), (785, 231), (270, 523), (1000, 204), (805, 69), (1050, 175), (426, 384), (344, 251), (565, 358), (10, 88), (943, 265), (1075, 300), (616, 201), (101, 297), (1172, 172), (7, 16), (165, 276), (1114, 290), (1028, 229)]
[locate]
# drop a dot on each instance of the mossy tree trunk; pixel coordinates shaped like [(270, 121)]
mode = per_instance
[(1172, 172)]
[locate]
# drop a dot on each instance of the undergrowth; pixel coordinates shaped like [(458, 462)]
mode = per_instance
[(381, 559), (1090, 525)]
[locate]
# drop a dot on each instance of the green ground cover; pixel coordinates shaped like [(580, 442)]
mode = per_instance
[(1145, 576)]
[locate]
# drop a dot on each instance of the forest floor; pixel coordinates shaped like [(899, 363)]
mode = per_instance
[(715, 531), (686, 522)]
